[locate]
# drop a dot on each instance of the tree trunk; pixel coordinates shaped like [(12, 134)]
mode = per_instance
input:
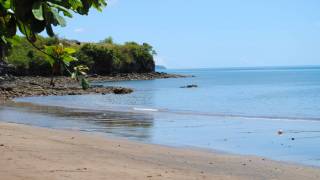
[(2, 62), (1, 53), (4, 68)]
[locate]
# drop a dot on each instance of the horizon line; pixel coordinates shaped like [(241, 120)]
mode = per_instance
[(250, 67)]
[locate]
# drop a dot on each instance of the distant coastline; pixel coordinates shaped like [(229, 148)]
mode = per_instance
[(160, 67), (255, 68), (26, 86)]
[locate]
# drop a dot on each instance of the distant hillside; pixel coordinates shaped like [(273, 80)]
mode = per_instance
[(160, 67), (103, 58)]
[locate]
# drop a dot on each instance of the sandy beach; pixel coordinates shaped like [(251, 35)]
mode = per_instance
[(38, 153), (159, 90)]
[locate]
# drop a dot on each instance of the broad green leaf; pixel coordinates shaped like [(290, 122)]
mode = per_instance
[(75, 4), (99, 4), (67, 59), (50, 61), (37, 10), (69, 50), (58, 18), (64, 10), (50, 50), (5, 3), (84, 84), (49, 30), (26, 30)]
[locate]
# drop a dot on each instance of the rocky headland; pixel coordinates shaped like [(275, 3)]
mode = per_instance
[(26, 86)]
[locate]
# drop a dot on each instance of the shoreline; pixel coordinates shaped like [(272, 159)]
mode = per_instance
[(28, 86), (187, 162), (70, 112), (40, 153)]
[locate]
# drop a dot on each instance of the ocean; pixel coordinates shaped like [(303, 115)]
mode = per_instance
[(233, 110)]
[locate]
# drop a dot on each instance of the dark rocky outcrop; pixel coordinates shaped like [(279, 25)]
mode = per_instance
[(121, 90), (5, 69), (7, 87), (12, 87), (190, 86)]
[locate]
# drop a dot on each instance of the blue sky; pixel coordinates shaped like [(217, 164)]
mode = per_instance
[(210, 33)]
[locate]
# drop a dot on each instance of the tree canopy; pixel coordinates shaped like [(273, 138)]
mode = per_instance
[(101, 58), (34, 16)]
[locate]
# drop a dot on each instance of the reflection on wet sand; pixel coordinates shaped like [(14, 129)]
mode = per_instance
[(125, 124), (253, 136)]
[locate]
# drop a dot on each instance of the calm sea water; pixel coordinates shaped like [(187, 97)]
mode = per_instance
[(233, 110)]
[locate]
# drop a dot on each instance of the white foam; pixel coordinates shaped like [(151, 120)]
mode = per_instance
[(145, 109)]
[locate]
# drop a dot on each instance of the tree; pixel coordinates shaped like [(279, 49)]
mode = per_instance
[(32, 17), (108, 40)]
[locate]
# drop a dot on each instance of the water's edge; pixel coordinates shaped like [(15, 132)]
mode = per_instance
[(119, 123)]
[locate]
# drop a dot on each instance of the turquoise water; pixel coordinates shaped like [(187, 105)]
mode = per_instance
[(233, 110)]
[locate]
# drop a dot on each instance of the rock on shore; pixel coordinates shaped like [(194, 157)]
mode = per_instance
[(12, 87)]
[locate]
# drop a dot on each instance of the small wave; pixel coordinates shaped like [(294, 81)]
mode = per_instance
[(127, 108), (264, 117), (146, 109)]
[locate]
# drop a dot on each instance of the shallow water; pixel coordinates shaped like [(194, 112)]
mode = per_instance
[(233, 110), (291, 93)]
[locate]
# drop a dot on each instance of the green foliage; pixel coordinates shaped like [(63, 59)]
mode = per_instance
[(58, 54), (34, 16), (79, 74), (26, 59), (106, 58), (100, 58), (108, 40)]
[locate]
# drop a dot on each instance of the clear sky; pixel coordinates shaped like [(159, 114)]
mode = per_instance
[(210, 33)]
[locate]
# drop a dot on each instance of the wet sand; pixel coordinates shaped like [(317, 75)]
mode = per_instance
[(37, 153)]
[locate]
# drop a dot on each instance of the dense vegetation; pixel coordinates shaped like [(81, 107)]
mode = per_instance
[(102, 58), (34, 16)]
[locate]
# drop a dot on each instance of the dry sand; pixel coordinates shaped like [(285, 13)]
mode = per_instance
[(30, 153)]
